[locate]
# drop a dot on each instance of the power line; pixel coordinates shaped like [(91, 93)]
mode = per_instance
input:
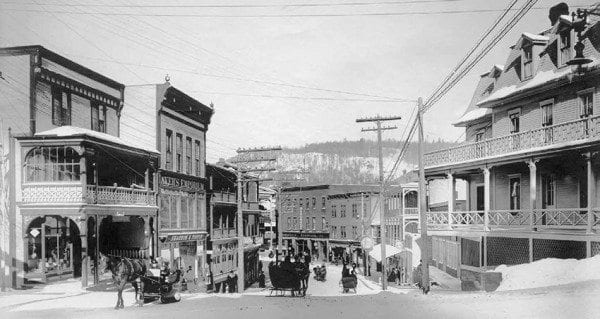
[(324, 15), (283, 5)]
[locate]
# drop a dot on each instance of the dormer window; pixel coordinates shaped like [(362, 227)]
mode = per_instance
[(564, 43), (527, 62), (479, 135)]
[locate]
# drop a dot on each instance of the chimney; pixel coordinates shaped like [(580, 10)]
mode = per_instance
[(556, 11)]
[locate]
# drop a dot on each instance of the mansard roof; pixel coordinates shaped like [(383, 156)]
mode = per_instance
[(548, 74)]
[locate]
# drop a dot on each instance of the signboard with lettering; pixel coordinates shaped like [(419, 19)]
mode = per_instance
[(184, 237), (180, 183), (306, 235)]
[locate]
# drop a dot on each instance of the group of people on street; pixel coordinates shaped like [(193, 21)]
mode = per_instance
[(396, 275)]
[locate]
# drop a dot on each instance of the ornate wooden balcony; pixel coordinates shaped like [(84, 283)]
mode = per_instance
[(538, 219), (223, 233), (224, 198), (411, 212), (577, 131), (75, 193)]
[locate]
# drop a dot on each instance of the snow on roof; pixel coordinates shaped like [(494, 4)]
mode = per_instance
[(472, 115), (70, 131), (539, 79), (535, 37)]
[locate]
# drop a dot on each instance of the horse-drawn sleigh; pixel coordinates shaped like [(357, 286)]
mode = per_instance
[(149, 282), (287, 276)]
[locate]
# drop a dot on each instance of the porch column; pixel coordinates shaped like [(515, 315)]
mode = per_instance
[(532, 192), (591, 191), (84, 251), (486, 198), (451, 191)]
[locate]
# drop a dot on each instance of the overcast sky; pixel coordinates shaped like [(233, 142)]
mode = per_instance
[(277, 79)]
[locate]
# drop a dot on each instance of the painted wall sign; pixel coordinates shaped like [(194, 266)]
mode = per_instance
[(185, 237), (168, 181)]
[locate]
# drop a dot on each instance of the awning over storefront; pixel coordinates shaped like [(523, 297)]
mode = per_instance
[(389, 252)]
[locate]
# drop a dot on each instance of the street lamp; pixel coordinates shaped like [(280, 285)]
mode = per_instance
[(580, 20)]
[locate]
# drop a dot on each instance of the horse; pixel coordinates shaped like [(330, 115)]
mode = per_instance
[(126, 270)]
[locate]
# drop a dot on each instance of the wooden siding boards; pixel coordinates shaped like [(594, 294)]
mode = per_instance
[(15, 104)]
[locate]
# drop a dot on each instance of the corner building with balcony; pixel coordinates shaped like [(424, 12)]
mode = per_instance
[(223, 232), (530, 159), (74, 189), (162, 117)]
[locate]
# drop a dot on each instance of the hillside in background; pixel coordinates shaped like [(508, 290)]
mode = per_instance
[(352, 162)]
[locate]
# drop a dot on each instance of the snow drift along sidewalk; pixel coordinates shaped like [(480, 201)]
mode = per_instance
[(548, 272)]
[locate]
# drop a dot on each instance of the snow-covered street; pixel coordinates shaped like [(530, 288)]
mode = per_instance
[(567, 298)]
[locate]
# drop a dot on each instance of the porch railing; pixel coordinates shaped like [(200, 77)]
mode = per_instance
[(560, 218), (578, 130), (119, 195), (90, 194), (411, 212), (220, 233), (224, 197)]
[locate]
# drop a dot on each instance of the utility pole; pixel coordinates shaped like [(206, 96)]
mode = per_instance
[(423, 204), (247, 161), (378, 119)]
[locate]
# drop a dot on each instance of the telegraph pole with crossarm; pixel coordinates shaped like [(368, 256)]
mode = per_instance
[(378, 119), (248, 161)]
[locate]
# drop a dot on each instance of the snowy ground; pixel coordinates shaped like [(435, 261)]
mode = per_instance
[(571, 295), (549, 272)]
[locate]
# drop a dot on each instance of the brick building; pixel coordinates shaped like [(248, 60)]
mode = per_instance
[(530, 156)]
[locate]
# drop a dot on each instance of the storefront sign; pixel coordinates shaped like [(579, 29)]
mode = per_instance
[(175, 182), (184, 237), (306, 235)]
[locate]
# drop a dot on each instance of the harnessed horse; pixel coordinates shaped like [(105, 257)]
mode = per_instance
[(126, 270)]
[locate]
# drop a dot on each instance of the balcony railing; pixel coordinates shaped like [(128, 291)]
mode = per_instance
[(411, 212), (221, 233), (224, 197), (250, 207), (253, 240), (578, 130), (91, 194), (564, 218)]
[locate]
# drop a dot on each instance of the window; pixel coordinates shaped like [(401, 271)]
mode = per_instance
[(546, 112), (198, 168), (188, 155), (355, 231), (314, 223), (323, 202), (333, 231), (61, 107), (342, 210), (314, 202), (323, 223), (479, 135), (307, 223), (98, 117), (342, 231), (52, 164), (295, 223), (179, 152), (333, 211), (565, 46), (514, 121), (169, 152), (355, 210), (289, 223), (586, 103), (548, 188), (514, 184), (527, 62)]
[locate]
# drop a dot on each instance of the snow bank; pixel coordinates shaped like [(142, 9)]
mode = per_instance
[(548, 272)]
